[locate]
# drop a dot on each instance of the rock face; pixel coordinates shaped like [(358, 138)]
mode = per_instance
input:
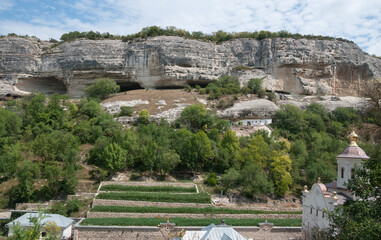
[(300, 66)]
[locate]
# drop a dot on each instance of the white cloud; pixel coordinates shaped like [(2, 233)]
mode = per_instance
[(352, 19), (5, 5)]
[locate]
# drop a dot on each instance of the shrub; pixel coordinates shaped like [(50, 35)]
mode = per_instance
[(188, 88), (212, 180), (102, 88), (125, 111)]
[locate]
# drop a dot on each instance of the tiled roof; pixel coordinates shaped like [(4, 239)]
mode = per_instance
[(353, 152)]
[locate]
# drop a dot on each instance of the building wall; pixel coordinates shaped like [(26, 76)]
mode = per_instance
[(347, 164), (316, 205), (67, 232), (255, 122)]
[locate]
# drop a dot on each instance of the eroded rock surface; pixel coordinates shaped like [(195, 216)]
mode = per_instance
[(310, 67)]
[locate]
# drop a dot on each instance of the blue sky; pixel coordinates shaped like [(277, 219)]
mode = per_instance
[(356, 20)]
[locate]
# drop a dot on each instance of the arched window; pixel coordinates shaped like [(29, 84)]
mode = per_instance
[(351, 172), (342, 172)]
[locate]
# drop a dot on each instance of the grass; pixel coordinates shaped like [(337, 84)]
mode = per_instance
[(148, 188), (157, 197), (187, 222), (206, 210)]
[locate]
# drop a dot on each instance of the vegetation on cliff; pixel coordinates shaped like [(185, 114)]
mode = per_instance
[(40, 138)]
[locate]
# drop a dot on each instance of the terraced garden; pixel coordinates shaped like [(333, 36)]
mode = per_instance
[(148, 204)]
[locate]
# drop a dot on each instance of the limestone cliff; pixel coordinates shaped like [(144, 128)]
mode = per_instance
[(310, 67)]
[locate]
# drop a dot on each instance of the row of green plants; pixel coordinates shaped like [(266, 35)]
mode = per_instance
[(148, 188), (187, 222), (194, 210), (157, 197)]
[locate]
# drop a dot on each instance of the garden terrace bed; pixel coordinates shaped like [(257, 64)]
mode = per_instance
[(187, 221), (128, 188), (189, 215), (191, 210), (157, 197)]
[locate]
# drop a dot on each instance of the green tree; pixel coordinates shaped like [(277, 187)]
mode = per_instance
[(91, 108), (9, 158), (102, 88), (26, 174), (144, 116), (166, 161), (255, 85), (281, 166), (114, 157), (198, 151)]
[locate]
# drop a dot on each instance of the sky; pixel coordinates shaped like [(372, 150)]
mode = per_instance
[(356, 20)]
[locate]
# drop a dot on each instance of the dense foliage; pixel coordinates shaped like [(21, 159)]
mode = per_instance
[(40, 138), (218, 37)]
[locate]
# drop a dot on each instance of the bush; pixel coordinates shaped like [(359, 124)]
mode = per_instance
[(102, 88), (188, 88), (211, 180), (125, 111)]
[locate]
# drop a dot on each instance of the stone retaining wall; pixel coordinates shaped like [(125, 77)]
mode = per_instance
[(144, 233), (106, 202), (189, 215)]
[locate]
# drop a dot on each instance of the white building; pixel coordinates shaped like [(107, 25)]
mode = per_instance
[(253, 121), (63, 223), (322, 199)]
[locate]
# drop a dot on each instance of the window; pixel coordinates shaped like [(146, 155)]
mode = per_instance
[(351, 172), (342, 172), (311, 210), (317, 212)]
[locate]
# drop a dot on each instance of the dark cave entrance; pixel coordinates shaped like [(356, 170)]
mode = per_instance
[(128, 86), (47, 85)]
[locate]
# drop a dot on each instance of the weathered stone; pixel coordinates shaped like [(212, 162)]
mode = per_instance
[(288, 65), (260, 108)]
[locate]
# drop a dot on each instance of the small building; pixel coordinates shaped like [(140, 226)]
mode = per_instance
[(63, 223), (322, 199), (252, 121), (214, 232)]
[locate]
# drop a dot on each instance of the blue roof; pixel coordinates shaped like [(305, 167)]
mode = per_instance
[(24, 220)]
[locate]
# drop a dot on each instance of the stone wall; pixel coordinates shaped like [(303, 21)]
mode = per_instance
[(163, 232)]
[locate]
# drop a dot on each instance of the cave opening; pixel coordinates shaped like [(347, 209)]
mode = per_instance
[(129, 86), (201, 84), (47, 85)]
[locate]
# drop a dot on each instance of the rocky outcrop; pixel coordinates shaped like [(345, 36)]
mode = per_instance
[(300, 66), (258, 108)]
